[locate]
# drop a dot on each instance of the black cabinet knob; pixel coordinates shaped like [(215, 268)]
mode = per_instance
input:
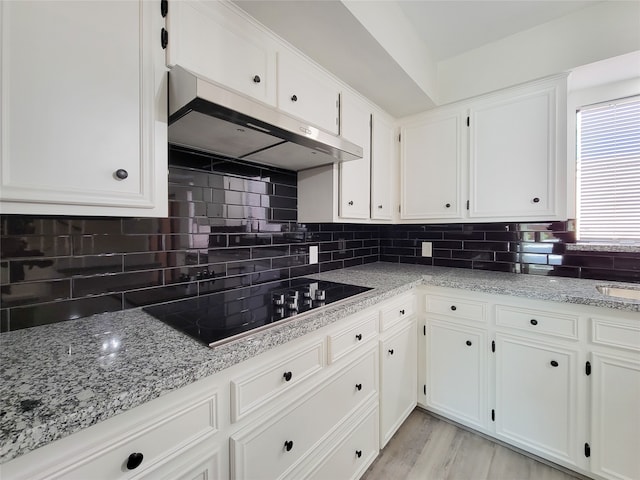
[(536, 200), (294, 98), (402, 312), (164, 38), (358, 386), (350, 202), (554, 363), (134, 460), (448, 205), (164, 7), (379, 206), (391, 351), (121, 174), (533, 321), (469, 343), (359, 336), (287, 376), (288, 445), (256, 79), (453, 307), (358, 453)]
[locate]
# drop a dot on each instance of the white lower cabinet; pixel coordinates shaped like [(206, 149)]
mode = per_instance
[(536, 392), (456, 382), (398, 364)]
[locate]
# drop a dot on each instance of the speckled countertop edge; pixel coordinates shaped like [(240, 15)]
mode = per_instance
[(91, 369)]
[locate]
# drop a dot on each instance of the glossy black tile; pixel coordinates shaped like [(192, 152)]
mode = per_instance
[(100, 284)]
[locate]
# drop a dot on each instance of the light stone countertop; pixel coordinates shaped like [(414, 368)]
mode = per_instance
[(60, 378)]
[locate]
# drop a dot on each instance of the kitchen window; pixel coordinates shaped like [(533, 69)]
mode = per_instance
[(608, 172)]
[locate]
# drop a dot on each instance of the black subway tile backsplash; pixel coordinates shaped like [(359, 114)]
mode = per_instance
[(233, 224)]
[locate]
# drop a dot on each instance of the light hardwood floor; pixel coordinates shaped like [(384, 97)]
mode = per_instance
[(427, 448)]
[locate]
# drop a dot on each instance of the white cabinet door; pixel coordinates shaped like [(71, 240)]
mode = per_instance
[(615, 417), (398, 370), (214, 40), (307, 92), (516, 141), (83, 117), (536, 395), (456, 372), (431, 159), (355, 175), (382, 167)]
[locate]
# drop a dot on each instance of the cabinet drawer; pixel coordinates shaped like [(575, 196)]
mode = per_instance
[(350, 458), (275, 447), (456, 308), (616, 333), (538, 321), (155, 442), (345, 341), (252, 391), (396, 310)]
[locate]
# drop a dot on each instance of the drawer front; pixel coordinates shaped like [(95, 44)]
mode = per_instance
[(252, 391), (615, 333), (538, 321), (155, 443), (397, 310), (345, 341), (275, 447), (456, 308), (351, 457)]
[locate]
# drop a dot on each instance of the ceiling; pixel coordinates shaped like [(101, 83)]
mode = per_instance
[(361, 41)]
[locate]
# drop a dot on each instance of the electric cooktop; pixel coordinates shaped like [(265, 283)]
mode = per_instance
[(222, 317)]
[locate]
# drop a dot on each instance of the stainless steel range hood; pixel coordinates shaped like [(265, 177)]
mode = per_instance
[(207, 117)]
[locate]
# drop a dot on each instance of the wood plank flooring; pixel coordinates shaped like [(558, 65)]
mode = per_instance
[(427, 448)]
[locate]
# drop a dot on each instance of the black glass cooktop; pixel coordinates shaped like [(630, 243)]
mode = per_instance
[(222, 317)]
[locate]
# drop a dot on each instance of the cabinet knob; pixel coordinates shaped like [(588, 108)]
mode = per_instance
[(453, 307), (391, 351), (554, 363), (350, 202), (288, 445), (533, 321), (402, 312), (121, 174), (536, 200), (358, 453), (134, 460), (448, 205), (287, 376), (358, 386), (469, 343), (164, 8), (164, 38), (379, 206), (358, 336), (256, 79), (294, 98)]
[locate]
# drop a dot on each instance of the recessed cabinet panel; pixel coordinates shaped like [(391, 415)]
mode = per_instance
[(513, 156), (355, 175), (217, 43), (83, 132), (431, 167), (306, 92), (383, 143)]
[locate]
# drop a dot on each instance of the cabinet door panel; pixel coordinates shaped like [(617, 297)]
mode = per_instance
[(615, 417), (513, 156), (536, 391), (456, 372), (355, 175), (431, 162), (382, 168), (306, 92)]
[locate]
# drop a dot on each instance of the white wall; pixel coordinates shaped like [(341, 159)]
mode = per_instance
[(605, 30)]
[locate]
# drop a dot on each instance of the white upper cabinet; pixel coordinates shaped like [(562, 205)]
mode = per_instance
[(355, 175), (500, 157), (431, 166), (307, 92), (83, 109), (515, 145), (382, 167), (214, 40)]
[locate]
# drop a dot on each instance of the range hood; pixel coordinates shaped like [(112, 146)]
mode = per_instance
[(205, 116)]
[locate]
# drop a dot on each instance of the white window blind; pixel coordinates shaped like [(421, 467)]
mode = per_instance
[(609, 172)]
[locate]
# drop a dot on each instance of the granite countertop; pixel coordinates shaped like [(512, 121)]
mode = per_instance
[(60, 378)]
